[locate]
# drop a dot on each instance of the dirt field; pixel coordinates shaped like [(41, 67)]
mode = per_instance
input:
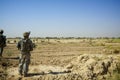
[(73, 59)]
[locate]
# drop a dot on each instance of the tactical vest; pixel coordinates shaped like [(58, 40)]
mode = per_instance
[(2, 40), (26, 45)]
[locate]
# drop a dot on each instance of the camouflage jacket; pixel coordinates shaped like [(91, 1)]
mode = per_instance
[(2, 40), (25, 45)]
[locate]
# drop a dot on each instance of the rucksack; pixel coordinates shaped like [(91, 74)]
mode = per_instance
[(26, 45), (2, 40)]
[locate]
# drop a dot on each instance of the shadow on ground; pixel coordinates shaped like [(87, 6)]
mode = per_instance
[(11, 58), (42, 73)]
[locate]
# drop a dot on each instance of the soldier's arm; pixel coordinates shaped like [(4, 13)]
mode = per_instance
[(18, 45), (31, 45), (5, 41)]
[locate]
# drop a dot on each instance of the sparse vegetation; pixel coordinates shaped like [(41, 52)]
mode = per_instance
[(56, 53), (3, 69), (116, 74)]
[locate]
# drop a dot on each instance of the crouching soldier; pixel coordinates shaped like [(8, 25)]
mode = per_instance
[(25, 46)]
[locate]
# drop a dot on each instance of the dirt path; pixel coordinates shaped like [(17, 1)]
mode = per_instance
[(36, 71)]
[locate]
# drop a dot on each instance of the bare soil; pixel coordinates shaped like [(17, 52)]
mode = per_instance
[(58, 61)]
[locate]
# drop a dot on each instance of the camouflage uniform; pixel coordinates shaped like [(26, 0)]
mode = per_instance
[(2, 42), (24, 59)]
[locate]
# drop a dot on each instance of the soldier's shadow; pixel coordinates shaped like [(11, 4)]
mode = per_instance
[(54, 73), (58, 73), (33, 74), (16, 58)]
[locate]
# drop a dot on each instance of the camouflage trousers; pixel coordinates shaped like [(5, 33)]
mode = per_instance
[(1, 51), (24, 62)]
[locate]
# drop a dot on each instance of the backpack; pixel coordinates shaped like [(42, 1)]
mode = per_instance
[(26, 45), (2, 40)]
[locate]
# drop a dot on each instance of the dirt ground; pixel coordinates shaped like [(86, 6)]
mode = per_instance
[(51, 61)]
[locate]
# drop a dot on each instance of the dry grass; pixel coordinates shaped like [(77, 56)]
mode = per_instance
[(60, 52)]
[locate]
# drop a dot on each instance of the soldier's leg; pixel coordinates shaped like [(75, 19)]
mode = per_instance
[(21, 62), (1, 51), (26, 65)]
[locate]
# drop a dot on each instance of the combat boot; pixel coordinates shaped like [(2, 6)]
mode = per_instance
[(25, 74), (20, 73)]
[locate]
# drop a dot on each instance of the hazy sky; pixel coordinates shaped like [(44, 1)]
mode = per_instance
[(60, 18)]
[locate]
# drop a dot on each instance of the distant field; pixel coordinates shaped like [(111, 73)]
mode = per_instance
[(58, 40), (55, 54)]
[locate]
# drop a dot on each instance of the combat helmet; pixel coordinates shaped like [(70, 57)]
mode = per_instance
[(1, 31), (26, 34)]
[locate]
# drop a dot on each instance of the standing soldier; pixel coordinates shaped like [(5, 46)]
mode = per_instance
[(2, 42), (25, 46)]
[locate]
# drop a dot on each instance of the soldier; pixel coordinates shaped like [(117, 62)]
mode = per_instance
[(25, 46), (2, 42)]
